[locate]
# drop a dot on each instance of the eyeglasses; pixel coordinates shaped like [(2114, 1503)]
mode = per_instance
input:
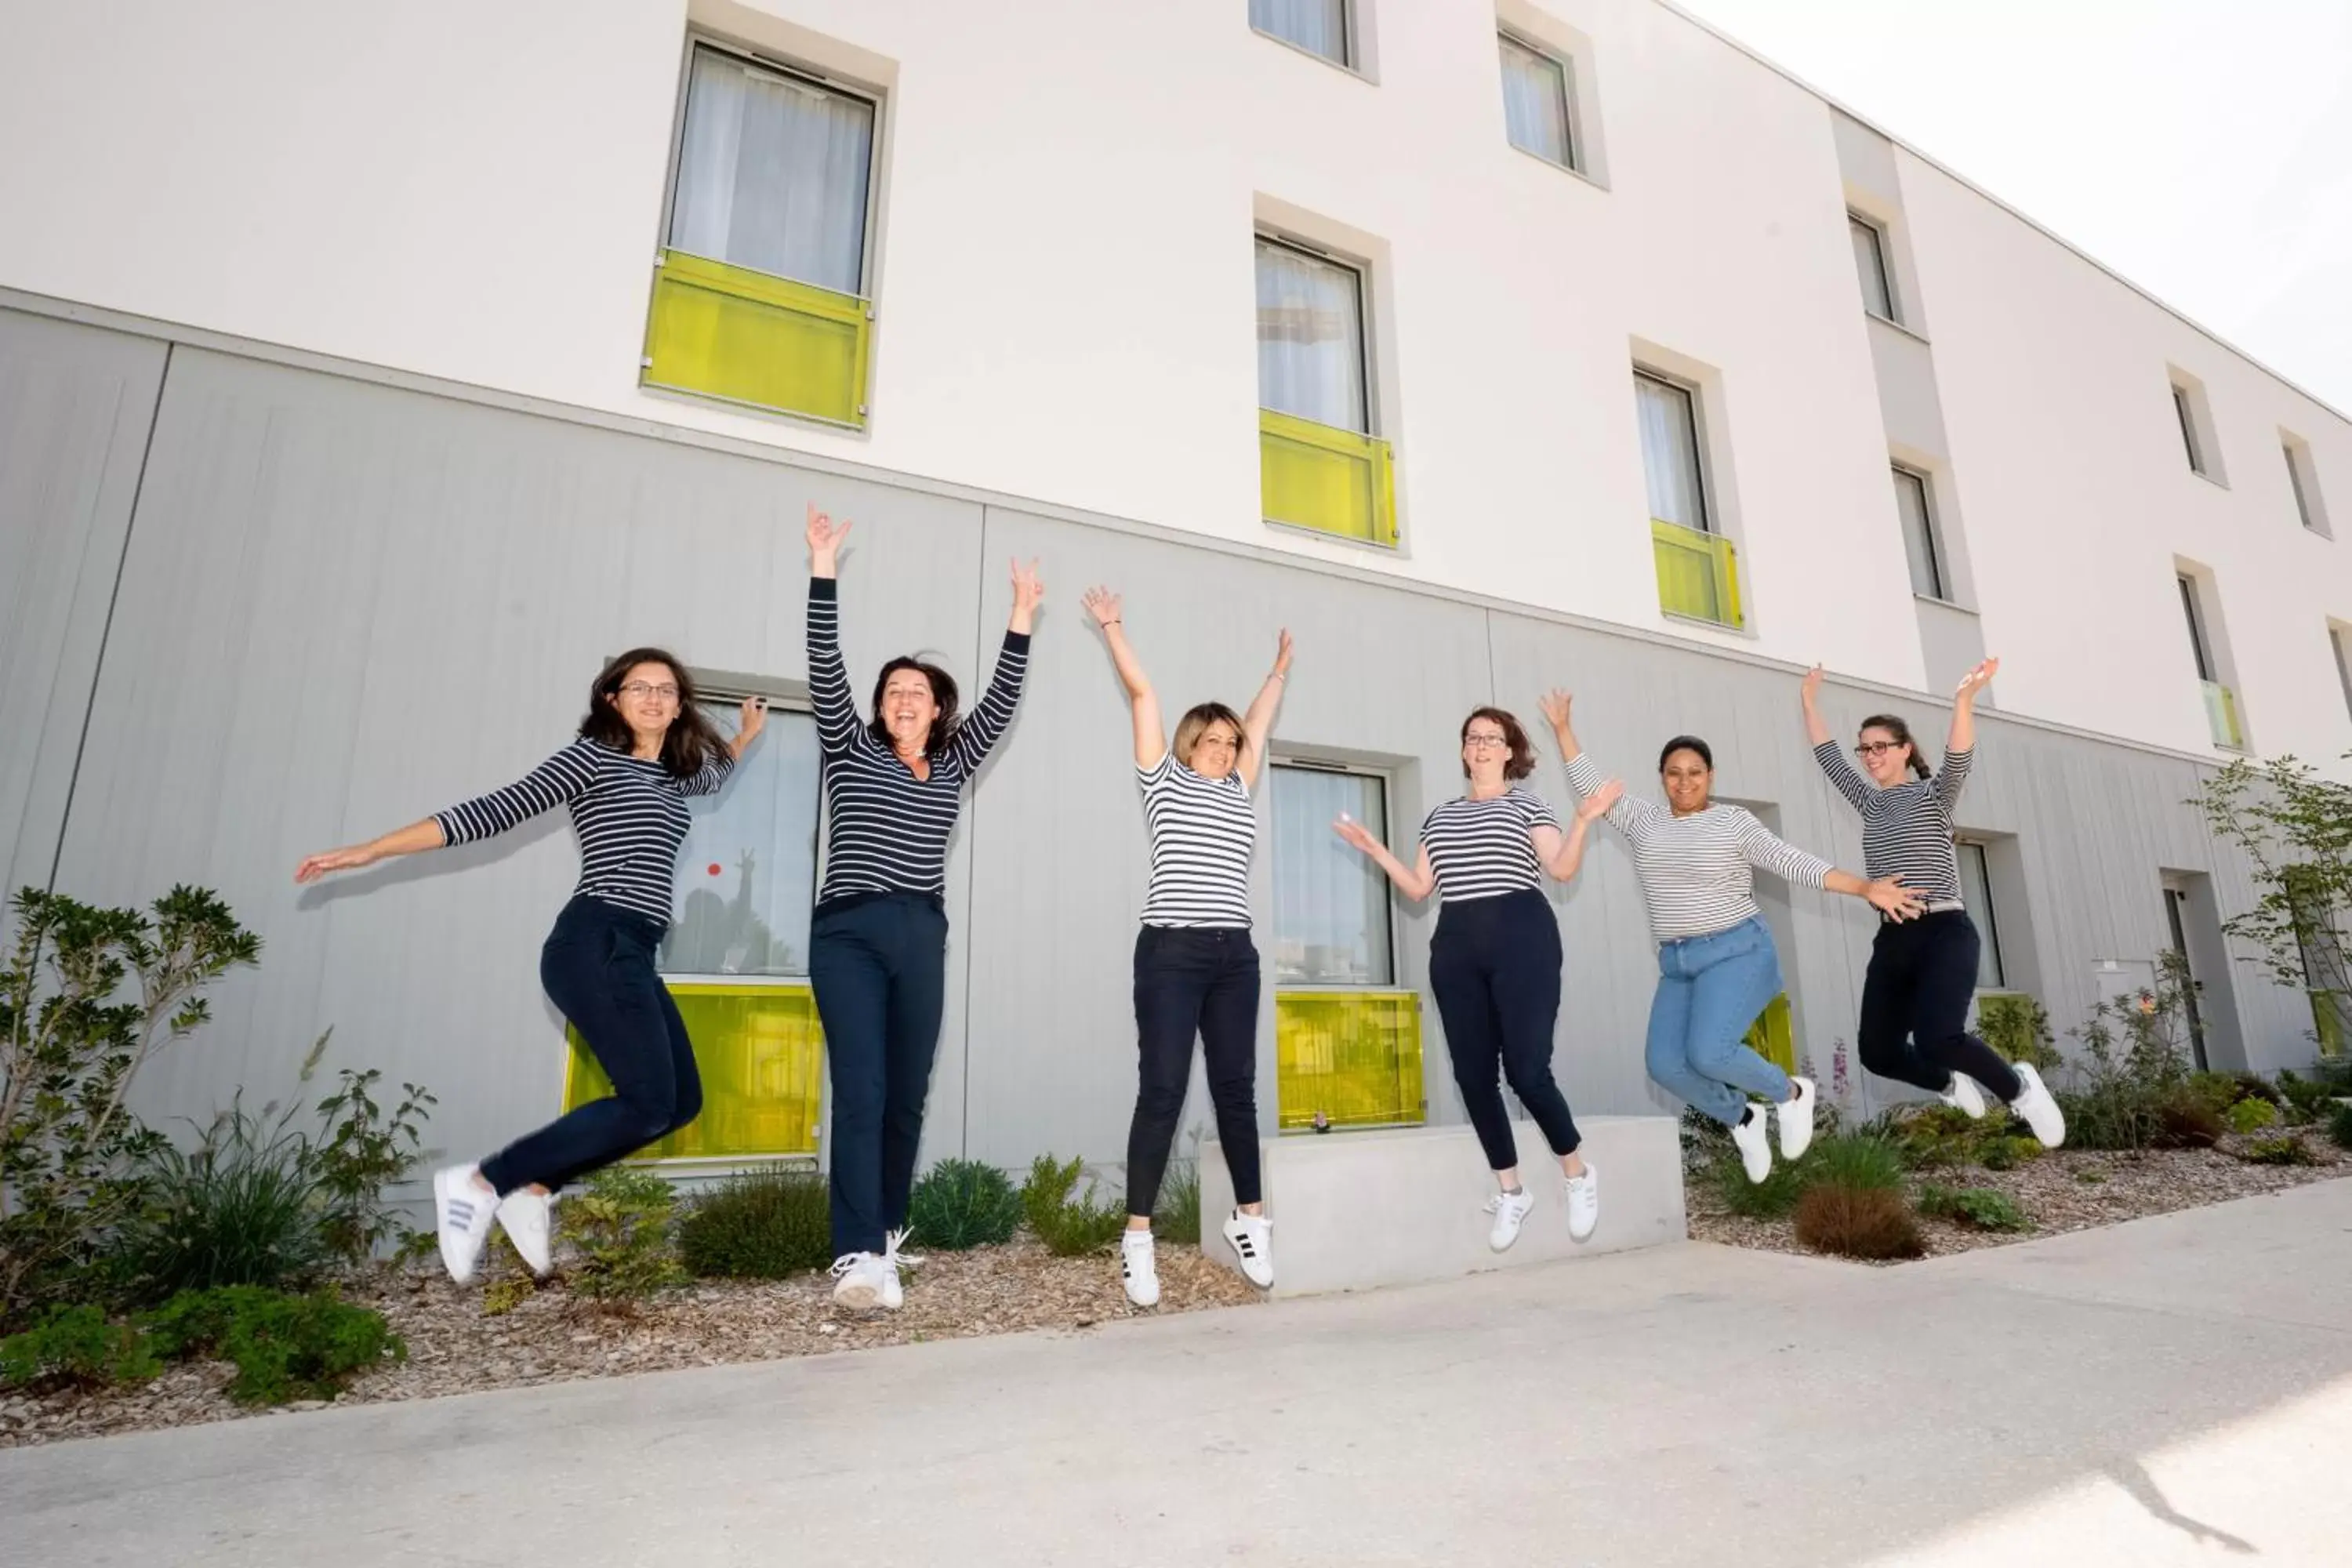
[(1484, 741), (1872, 748), (642, 690)]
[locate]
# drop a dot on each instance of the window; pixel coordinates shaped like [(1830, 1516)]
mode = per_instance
[(2181, 407), (2336, 636), (1919, 539), (1324, 27), (1976, 892), (1537, 115), (1698, 574), (736, 955), (2196, 620), (1346, 1041), (2220, 702), (1870, 263), (2302, 478), (1320, 466), (758, 296)]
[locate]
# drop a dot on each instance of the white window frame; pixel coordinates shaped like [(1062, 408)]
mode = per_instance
[(1367, 389), (2200, 641), (2302, 478), (1386, 781), (2339, 642), (1884, 264), (1352, 41), (2183, 409), (1692, 401), (1938, 568), (1575, 162)]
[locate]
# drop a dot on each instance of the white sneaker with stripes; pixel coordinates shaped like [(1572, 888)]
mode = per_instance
[(1139, 1267), (462, 1211), (1251, 1235)]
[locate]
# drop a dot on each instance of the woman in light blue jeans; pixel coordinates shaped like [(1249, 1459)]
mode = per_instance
[(1718, 969)]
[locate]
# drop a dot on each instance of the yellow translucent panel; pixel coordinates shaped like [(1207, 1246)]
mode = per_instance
[(1773, 1036), (2221, 716), (1355, 1056), (2327, 1010), (1699, 573), (748, 337), (1332, 480), (760, 1052)]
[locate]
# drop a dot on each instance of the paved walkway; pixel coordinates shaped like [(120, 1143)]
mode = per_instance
[(2178, 1390)]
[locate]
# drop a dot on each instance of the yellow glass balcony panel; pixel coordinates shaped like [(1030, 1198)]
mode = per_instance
[(1355, 1056), (2327, 1013), (760, 1052), (1699, 573), (2221, 716), (749, 337), (1773, 1036), (1332, 480)]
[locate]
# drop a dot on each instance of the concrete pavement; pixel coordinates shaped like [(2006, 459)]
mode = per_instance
[(2178, 1390)]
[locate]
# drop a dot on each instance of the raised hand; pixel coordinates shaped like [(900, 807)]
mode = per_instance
[(1354, 833), (1555, 704), (1102, 604), (351, 860), (1028, 593), (825, 535), (1596, 805), (1975, 680), (1812, 685), (1890, 897), (755, 718), (1282, 652)]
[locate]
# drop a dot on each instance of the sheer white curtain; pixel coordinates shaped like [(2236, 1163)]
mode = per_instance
[(1670, 452), (1330, 903), (1918, 533), (746, 872), (1870, 266), (1320, 25), (1535, 103), (771, 175), (1311, 338)]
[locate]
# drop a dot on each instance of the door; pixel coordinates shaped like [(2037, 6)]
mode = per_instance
[(2176, 903)]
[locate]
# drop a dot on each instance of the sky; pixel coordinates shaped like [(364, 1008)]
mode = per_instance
[(2202, 150)]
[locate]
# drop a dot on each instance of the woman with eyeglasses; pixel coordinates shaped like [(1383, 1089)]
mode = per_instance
[(1923, 972), (877, 947), (645, 747), (1196, 970), (1718, 967), (1495, 960)]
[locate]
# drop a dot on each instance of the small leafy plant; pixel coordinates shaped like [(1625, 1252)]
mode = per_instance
[(1070, 1225), (2340, 1127), (1980, 1207), (2252, 1116), (620, 1228), (285, 1347), (962, 1203), (2017, 1027), (80, 1347), (2286, 1149), (764, 1225)]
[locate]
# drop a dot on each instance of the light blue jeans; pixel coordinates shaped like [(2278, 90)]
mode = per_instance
[(1710, 990)]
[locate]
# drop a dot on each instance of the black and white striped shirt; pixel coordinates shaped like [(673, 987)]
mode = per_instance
[(885, 830), (1484, 848), (1203, 831), (1697, 871), (630, 814), (1906, 831)]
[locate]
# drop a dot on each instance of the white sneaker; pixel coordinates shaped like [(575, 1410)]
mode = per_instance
[(1252, 1238), (857, 1281), (1755, 1143), (1508, 1209), (525, 1216), (1964, 1095), (1137, 1268), (1796, 1117), (894, 1292), (1584, 1204), (2040, 1107), (462, 1211)]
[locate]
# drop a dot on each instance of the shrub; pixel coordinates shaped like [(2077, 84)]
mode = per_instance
[(2254, 1086), (2018, 1027), (764, 1225), (2130, 1064), (1929, 1137), (2340, 1127), (1774, 1197), (1177, 1215), (1704, 1141), (962, 1203), (76, 1345), (2309, 1099), (2287, 1148), (2008, 1151), (1980, 1207), (360, 1152), (621, 1227), (1852, 1160), (285, 1347), (1069, 1228), (237, 1210), (2185, 1119), (1869, 1222), (2251, 1116)]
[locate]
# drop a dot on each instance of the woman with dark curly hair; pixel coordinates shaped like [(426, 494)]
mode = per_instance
[(1495, 960)]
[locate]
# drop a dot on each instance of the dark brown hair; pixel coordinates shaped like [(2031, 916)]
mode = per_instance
[(943, 692), (1523, 756), (1196, 722), (1686, 744), (693, 741), (1902, 733)]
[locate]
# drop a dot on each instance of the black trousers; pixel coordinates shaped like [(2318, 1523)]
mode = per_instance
[(1495, 966), (1193, 981), (1915, 1007), (880, 970)]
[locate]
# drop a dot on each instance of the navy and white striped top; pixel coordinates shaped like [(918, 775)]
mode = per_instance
[(1201, 831), (1697, 871), (1906, 831), (630, 814), (1484, 848), (885, 830)]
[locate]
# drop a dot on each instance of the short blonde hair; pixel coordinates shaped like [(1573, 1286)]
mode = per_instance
[(1197, 719)]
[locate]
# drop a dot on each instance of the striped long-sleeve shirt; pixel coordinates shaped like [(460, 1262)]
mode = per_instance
[(630, 815), (885, 830), (1906, 831), (1485, 848), (1698, 871)]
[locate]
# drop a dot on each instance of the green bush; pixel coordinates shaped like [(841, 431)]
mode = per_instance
[(962, 1203), (1934, 1137), (1069, 1227), (2131, 1066), (2187, 1118), (764, 1225), (1870, 1222), (1774, 1197), (237, 1210), (2309, 1099), (2287, 1148), (2018, 1027), (76, 1345), (284, 1347), (2251, 1116), (2340, 1127), (1177, 1215), (620, 1227), (1978, 1206), (2008, 1151), (1852, 1159)]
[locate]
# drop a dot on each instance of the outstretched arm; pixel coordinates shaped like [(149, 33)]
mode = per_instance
[(559, 778), (1143, 703), (1258, 724), (1856, 789), (836, 711), (1960, 745), (1416, 884), (1629, 816), (978, 735)]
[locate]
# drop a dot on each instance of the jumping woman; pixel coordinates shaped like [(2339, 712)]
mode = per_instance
[(877, 946), (1196, 971), (1717, 968), (644, 747), (1495, 960), (1915, 996)]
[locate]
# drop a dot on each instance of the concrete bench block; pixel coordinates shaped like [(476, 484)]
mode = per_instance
[(1355, 1210)]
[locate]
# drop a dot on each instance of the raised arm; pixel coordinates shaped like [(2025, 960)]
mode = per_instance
[(1258, 724), (1416, 884), (1850, 784), (546, 786), (978, 735), (1562, 854), (1628, 815), (836, 711), (1143, 703), (1960, 745)]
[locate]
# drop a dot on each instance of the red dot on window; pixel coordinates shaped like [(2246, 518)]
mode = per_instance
[(714, 867)]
